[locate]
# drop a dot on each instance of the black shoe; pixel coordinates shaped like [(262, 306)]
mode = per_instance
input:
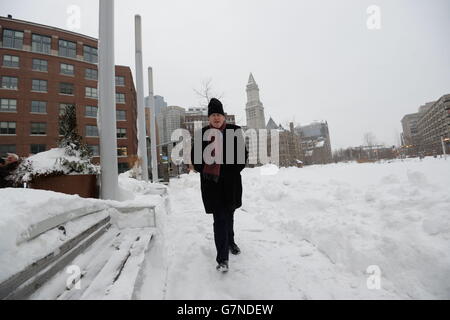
[(234, 249), (222, 267)]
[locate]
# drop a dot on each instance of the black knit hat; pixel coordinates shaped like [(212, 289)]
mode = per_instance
[(215, 106)]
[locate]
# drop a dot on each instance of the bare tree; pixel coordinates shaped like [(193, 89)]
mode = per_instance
[(206, 92)]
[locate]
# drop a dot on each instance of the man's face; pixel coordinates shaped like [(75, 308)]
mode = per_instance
[(11, 158), (216, 120)]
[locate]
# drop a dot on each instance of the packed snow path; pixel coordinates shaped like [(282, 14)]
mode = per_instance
[(312, 233)]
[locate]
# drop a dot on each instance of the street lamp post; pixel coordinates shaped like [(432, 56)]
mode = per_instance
[(154, 158), (107, 102), (142, 135), (443, 146)]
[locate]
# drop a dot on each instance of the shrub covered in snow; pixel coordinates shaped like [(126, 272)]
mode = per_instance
[(71, 157)]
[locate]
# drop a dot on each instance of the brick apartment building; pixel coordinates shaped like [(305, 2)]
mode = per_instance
[(42, 70)]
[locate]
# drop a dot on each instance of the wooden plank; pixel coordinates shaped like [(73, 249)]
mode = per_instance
[(91, 263), (19, 278), (106, 276), (38, 228), (125, 282), (31, 286)]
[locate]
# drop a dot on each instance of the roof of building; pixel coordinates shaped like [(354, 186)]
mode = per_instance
[(48, 27), (271, 125)]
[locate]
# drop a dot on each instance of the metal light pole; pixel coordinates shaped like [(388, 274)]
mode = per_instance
[(443, 148), (142, 136), (152, 126), (107, 102)]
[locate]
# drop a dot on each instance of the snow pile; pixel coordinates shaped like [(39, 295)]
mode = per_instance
[(394, 216), (130, 188), (20, 209)]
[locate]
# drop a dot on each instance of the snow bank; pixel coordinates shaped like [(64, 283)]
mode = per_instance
[(22, 208), (393, 215)]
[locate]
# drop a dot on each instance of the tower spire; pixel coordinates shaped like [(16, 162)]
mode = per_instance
[(251, 80)]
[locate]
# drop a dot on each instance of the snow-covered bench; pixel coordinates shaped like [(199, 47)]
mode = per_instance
[(108, 256)]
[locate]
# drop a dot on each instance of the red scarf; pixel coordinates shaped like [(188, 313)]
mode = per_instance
[(212, 171)]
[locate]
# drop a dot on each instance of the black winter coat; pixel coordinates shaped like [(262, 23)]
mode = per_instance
[(227, 192)]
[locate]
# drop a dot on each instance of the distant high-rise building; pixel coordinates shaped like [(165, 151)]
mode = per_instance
[(170, 119), (434, 124), (254, 108), (411, 136), (160, 105), (426, 107)]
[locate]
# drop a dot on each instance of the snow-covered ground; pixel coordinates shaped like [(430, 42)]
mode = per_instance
[(309, 233), (22, 209), (313, 233)]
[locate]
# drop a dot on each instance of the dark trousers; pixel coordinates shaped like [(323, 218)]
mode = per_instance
[(223, 232)]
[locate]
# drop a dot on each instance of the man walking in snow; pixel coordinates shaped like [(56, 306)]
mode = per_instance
[(220, 177)]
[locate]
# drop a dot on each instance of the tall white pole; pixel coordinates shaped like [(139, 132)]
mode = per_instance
[(107, 102), (142, 135), (152, 126)]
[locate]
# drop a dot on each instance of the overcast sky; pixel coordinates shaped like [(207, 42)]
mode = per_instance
[(313, 60)]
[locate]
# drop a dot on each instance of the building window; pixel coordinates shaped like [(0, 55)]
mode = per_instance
[(66, 88), (10, 82), (12, 39), (63, 107), (37, 148), (7, 148), (95, 150), (67, 49), (90, 54), (91, 111), (67, 69), (91, 93), (38, 106), (121, 133), (8, 105), (40, 65), (38, 129), (91, 131), (39, 85), (120, 97), (91, 74), (7, 127), (40, 43), (10, 61), (121, 115), (123, 167), (120, 81), (122, 151)]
